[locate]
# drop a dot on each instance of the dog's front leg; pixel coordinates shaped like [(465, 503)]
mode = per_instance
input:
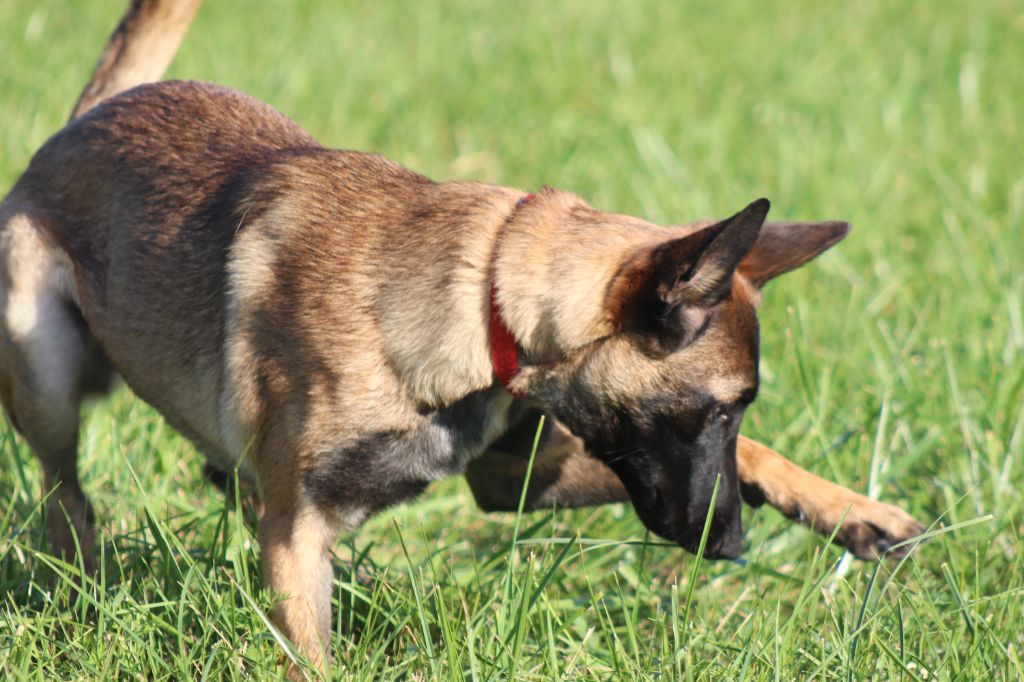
[(295, 539), (565, 475), (867, 527)]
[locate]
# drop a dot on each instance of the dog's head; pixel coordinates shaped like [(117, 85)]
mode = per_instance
[(660, 398)]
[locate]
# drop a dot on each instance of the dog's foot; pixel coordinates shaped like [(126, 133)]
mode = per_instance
[(869, 529)]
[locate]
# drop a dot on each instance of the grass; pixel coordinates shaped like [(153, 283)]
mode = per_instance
[(895, 364)]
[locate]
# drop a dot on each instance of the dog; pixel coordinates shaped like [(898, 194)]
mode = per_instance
[(342, 331)]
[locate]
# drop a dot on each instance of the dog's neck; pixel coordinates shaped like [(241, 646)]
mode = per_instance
[(504, 348), (554, 262), (447, 299), (548, 261)]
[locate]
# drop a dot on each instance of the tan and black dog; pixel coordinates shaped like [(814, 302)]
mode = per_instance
[(344, 331)]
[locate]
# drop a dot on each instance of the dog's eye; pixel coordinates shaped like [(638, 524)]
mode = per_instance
[(721, 413)]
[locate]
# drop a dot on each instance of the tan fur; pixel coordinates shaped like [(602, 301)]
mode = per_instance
[(319, 318), (555, 305), (297, 569)]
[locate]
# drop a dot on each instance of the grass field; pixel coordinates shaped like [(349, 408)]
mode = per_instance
[(895, 364)]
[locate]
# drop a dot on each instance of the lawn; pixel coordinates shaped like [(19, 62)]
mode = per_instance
[(894, 364)]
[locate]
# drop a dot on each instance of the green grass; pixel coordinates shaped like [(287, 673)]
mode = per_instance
[(895, 364)]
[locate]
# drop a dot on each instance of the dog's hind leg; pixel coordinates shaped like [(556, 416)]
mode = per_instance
[(564, 474), (47, 360)]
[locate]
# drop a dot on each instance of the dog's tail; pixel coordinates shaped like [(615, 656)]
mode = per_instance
[(139, 50)]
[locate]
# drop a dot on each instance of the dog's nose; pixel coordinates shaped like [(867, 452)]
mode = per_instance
[(727, 546)]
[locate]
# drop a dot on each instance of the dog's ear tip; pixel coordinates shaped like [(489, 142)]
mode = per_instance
[(837, 229), (762, 205), (753, 216)]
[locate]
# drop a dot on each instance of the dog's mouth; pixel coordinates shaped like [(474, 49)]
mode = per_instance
[(670, 517), (724, 537), (723, 542)]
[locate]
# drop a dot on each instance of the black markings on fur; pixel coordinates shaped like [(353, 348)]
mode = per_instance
[(380, 469), (752, 495), (668, 454), (368, 473)]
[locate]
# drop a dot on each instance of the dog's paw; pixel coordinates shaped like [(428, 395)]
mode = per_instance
[(871, 529)]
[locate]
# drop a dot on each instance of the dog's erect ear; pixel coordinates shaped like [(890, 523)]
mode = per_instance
[(669, 293), (782, 247), (702, 276)]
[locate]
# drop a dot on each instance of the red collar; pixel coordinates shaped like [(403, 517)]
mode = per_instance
[(504, 351)]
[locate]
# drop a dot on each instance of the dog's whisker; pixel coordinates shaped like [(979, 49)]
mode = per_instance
[(623, 455)]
